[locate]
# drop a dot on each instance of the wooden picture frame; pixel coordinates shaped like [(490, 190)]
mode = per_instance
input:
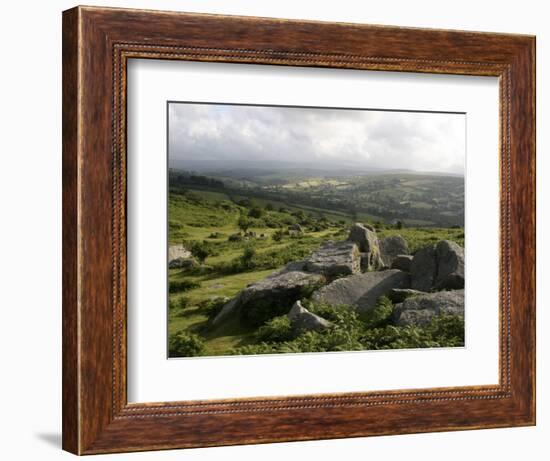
[(97, 42)]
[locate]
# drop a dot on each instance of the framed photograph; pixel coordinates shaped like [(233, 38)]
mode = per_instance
[(282, 230)]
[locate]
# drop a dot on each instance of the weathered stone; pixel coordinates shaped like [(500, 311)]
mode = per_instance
[(391, 247), (367, 242), (402, 262), (293, 266), (268, 297), (450, 266), (296, 228), (182, 263), (227, 311), (335, 258), (362, 290), (419, 310), (178, 251), (398, 295), (424, 269), (303, 320)]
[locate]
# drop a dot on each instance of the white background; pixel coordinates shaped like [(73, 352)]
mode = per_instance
[(30, 243), (153, 378)]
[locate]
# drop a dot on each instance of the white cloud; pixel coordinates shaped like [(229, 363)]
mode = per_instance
[(325, 137)]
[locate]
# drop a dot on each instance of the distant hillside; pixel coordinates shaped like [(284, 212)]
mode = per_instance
[(416, 199)]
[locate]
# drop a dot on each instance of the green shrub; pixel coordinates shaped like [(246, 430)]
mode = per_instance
[(247, 256), (341, 316), (182, 285), (256, 212), (183, 302), (350, 333), (275, 330), (201, 250), (244, 223), (447, 330), (235, 237), (183, 344), (212, 307), (380, 315), (278, 235)]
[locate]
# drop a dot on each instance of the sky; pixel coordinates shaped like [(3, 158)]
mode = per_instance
[(226, 135)]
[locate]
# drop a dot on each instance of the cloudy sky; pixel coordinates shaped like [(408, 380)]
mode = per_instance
[(323, 138)]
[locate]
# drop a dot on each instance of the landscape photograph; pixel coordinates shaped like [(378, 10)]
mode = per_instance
[(313, 229)]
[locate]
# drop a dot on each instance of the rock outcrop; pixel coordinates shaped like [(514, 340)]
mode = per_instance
[(362, 290), (450, 266), (408, 283), (335, 259), (178, 251), (269, 297), (419, 310), (423, 269), (303, 320), (367, 242), (398, 295), (402, 262), (438, 267), (182, 263), (391, 247)]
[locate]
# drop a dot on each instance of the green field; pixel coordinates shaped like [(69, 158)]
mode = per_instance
[(208, 220)]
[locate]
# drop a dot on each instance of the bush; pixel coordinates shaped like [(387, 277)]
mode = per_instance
[(183, 285), (244, 223), (200, 250), (212, 307), (275, 330), (278, 235), (183, 302), (447, 330), (185, 344), (246, 258), (235, 237), (379, 316), (256, 212), (349, 333), (341, 316)]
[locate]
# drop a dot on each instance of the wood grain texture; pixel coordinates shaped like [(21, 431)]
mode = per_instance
[(97, 42)]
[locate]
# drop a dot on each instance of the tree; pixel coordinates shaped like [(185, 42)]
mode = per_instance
[(201, 251), (244, 223), (269, 207), (246, 258), (399, 225), (255, 212), (278, 235)]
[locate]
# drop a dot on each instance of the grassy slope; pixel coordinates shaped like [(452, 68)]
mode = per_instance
[(198, 220)]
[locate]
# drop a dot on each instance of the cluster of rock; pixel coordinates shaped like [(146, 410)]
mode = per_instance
[(280, 288), (356, 273)]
